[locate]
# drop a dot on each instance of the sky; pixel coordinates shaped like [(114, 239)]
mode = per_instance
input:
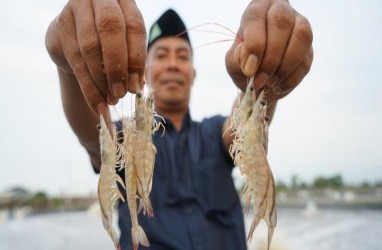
[(328, 125)]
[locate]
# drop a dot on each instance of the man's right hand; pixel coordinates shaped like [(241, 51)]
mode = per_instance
[(103, 43)]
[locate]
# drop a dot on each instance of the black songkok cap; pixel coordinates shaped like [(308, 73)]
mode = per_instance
[(169, 24)]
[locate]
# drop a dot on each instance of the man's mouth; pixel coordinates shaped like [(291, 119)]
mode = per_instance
[(172, 82)]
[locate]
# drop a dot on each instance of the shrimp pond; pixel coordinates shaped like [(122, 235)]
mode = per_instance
[(324, 229)]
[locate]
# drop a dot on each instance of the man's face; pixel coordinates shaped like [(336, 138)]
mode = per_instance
[(170, 72)]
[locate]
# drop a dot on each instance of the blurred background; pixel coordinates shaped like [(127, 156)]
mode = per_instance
[(325, 146)]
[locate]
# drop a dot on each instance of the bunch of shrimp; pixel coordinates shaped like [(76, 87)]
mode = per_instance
[(136, 155), (249, 150)]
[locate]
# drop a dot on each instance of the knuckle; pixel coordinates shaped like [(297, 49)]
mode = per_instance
[(110, 23), (136, 26), (78, 63), (53, 46), (282, 17), (307, 62), (303, 31), (64, 21), (89, 46), (252, 15)]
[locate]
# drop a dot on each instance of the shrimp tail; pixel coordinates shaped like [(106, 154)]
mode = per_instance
[(256, 220), (114, 237), (139, 237), (270, 235), (271, 220), (145, 205)]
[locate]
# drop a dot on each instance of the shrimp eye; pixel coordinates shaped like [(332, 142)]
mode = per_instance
[(139, 95), (266, 118), (263, 102), (251, 88)]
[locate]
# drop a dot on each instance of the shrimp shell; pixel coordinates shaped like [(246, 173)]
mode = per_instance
[(249, 151), (137, 233), (144, 152), (108, 192)]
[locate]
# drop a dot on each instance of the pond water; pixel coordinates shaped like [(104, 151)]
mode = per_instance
[(297, 229)]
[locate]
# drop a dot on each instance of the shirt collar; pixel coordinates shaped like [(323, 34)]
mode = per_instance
[(169, 125)]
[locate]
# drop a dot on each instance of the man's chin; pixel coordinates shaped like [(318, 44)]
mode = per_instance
[(174, 103), (171, 103)]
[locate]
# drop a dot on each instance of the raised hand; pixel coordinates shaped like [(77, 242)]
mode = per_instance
[(275, 47), (103, 43)]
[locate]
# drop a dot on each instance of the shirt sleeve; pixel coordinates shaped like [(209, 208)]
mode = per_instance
[(212, 127)]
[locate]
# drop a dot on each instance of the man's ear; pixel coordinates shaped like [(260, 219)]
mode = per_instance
[(194, 75)]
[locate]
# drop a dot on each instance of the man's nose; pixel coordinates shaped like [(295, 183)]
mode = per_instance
[(172, 63)]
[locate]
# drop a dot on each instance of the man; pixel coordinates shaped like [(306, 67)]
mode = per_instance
[(194, 200), (192, 168)]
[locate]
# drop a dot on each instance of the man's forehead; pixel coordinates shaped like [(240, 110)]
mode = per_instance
[(171, 43)]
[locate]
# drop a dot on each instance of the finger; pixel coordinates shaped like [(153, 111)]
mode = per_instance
[(280, 20), (293, 80), (77, 63), (136, 44), (89, 43), (254, 34), (111, 30), (298, 46), (233, 68), (54, 47), (103, 110)]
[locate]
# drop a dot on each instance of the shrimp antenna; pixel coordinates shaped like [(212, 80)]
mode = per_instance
[(231, 33), (206, 44)]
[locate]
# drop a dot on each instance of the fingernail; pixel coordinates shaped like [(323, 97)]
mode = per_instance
[(112, 100), (278, 89), (118, 89), (250, 65), (134, 82), (101, 108), (272, 82), (260, 80)]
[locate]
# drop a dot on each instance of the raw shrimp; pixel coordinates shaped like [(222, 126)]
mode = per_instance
[(144, 152), (249, 150), (108, 192), (137, 234), (254, 164)]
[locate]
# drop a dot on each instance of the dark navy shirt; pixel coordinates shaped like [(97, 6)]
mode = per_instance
[(194, 199)]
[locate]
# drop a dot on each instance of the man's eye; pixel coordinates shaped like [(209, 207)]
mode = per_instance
[(160, 56), (183, 57)]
